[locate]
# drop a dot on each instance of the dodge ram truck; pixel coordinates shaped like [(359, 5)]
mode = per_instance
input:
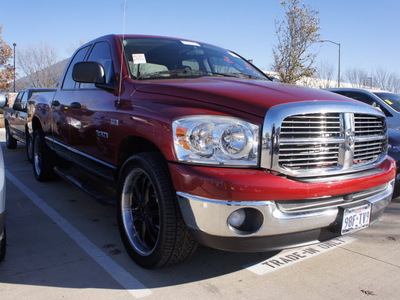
[(16, 120), (201, 147)]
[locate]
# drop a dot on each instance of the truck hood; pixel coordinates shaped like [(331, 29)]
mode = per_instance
[(251, 96)]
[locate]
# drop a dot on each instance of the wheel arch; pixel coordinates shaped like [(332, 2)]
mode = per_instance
[(132, 145)]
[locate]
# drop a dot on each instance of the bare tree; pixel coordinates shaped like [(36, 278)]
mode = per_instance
[(37, 62), (6, 69), (357, 77), (297, 33), (324, 74), (73, 47), (389, 81)]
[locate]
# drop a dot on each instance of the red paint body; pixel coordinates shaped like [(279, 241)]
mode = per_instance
[(147, 109)]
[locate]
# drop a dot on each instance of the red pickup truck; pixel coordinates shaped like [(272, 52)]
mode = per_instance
[(203, 148)]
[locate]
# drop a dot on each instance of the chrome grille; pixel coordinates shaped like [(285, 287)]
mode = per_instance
[(368, 151), (308, 156), (311, 126), (314, 138), (366, 125)]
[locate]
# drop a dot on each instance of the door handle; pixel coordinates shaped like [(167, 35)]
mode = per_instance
[(75, 105), (55, 103)]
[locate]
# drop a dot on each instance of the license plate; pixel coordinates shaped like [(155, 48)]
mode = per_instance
[(356, 218)]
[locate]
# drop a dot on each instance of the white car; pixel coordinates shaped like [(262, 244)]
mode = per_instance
[(2, 203)]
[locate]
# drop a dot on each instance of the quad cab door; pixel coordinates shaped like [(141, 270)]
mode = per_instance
[(85, 112), (63, 126)]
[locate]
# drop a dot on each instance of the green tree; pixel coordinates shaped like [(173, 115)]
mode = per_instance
[(297, 33), (6, 69)]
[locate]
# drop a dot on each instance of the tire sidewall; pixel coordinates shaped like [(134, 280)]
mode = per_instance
[(29, 147), (45, 160), (3, 245), (157, 257)]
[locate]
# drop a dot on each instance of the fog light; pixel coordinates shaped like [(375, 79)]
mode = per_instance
[(245, 221), (236, 219)]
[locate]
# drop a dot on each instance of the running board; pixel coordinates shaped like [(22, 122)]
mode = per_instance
[(97, 188)]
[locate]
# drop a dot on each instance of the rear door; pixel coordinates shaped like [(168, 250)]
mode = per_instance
[(63, 125)]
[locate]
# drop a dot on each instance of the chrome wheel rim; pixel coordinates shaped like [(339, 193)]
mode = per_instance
[(140, 211), (37, 156)]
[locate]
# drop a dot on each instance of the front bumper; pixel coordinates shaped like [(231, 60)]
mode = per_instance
[(281, 226)]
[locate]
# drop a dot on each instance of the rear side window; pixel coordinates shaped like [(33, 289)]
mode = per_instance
[(24, 100), (69, 83), (101, 53)]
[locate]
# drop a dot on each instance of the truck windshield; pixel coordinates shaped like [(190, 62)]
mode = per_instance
[(160, 58), (393, 100)]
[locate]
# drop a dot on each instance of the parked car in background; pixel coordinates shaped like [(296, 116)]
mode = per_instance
[(15, 120), (3, 238), (389, 104)]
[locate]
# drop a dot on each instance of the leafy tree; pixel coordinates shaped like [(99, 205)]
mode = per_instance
[(6, 69), (297, 33)]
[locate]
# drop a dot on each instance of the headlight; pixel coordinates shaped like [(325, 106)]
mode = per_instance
[(216, 140)]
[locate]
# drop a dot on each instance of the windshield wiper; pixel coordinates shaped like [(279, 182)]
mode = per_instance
[(187, 72), (246, 75), (172, 73)]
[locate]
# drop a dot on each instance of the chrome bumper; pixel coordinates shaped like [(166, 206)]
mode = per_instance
[(210, 217)]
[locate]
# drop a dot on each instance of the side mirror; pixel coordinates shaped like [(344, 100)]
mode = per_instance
[(89, 72)]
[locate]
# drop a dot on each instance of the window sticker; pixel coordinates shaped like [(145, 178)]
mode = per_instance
[(388, 102), (139, 58), (227, 59), (190, 43)]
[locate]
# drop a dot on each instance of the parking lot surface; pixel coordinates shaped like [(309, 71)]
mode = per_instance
[(63, 244)]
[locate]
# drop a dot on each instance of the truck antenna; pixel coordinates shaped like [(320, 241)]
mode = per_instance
[(122, 58)]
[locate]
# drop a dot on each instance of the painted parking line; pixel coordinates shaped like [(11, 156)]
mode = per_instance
[(130, 283), (290, 257)]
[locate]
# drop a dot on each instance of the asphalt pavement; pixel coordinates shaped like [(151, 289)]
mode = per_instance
[(63, 244)]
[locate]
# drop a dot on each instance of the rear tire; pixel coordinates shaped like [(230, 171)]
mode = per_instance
[(29, 147), (10, 141), (149, 218), (43, 158), (3, 245)]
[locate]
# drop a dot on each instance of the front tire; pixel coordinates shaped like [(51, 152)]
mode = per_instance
[(149, 218), (43, 158), (11, 143)]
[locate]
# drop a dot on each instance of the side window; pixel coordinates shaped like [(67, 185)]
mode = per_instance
[(24, 100), (69, 83), (101, 53), (362, 98)]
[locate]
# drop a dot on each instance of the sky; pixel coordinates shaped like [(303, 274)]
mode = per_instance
[(367, 30)]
